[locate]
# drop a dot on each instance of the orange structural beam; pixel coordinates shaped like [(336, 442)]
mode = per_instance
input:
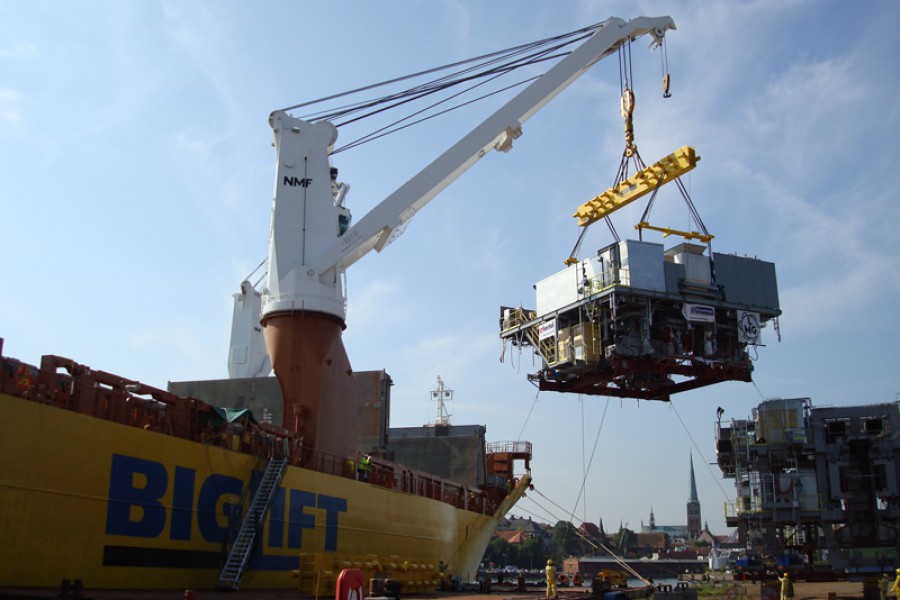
[(643, 182)]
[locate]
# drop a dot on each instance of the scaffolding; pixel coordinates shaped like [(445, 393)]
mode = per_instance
[(815, 486)]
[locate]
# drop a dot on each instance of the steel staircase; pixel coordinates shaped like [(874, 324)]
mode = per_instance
[(239, 556)]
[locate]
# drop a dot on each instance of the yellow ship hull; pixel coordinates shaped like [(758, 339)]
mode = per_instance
[(119, 507)]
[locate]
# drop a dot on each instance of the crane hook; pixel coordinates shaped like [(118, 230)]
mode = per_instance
[(627, 108), (664, 64)]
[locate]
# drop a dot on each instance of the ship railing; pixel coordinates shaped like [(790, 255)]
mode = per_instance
[(411, 481), (63, 383), (511, 318), (755, 506), (403, 479), (509, 447), (67, 385)]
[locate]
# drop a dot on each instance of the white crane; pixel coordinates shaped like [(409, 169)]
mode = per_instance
[(302, 304)]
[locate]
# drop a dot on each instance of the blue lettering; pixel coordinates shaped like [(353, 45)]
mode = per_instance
[(126, 493), (182, 504), (212, 489), (298, 520), (332, 507), (276, 520), (138, 495)]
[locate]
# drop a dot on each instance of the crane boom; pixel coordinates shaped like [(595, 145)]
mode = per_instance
[(309, 244), (302, 305), (386, 221), (308, 251)]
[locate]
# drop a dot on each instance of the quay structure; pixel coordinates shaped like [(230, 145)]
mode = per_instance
[(663, 568), (816, 488)]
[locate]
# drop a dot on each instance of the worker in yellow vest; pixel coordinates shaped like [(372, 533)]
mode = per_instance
[(365, 466)]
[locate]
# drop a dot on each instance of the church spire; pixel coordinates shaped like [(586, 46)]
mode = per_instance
[(693, 506), (694, 497)]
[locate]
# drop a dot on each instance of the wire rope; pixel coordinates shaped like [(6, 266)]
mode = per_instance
[(471, 73), (758, 391), (700, 452), (253, 272), (509, 51), (389, 129), (529, 414), (446, 83), (591, 461), (407, 97), (595, 543)]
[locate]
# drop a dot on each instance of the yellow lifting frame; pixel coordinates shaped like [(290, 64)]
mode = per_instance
[(667, 231), (641, 183)]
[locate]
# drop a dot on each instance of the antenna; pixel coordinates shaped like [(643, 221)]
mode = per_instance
[(441, 396)]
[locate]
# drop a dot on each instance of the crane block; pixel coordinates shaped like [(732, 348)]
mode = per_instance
[(643, 182)]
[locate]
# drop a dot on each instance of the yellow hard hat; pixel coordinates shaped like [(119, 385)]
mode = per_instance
[(550, 564)]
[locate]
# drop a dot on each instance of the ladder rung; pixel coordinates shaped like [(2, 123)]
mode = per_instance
[(240, 551)]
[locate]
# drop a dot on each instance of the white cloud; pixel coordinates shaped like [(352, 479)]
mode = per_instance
[(372, 303), (19, 51), (457, 20), (833, 260), (808, 111), (10, 112), (202, 39), (184, 348)]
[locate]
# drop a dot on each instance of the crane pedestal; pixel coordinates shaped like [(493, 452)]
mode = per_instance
[(317, 385)]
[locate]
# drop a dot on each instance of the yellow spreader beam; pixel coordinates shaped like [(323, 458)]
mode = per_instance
[(667, 231), (643, 182)]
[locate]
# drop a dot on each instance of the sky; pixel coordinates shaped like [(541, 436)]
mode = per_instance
[(136, 177)]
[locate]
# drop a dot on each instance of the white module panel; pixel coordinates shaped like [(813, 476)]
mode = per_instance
[(629, 263)]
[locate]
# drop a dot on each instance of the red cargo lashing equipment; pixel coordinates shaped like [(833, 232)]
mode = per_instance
[(350, 585)]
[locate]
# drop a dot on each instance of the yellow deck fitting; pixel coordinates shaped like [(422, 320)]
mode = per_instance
[(643, 182)]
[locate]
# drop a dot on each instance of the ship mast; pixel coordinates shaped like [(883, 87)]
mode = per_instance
[(441, 396)]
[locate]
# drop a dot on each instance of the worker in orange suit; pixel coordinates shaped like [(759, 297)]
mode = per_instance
[(551, 580)]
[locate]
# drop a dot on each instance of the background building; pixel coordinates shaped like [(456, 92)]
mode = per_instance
[(677, 533)]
